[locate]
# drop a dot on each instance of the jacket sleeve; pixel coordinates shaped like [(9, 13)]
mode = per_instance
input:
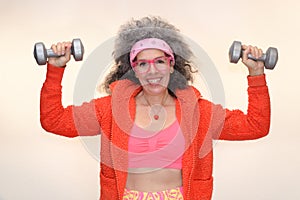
[(236, 125), (71, 121)]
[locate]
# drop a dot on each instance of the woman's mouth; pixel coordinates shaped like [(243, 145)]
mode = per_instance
[(154, 81)]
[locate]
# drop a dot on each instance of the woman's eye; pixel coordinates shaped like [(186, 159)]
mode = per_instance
[(142, 64), (160, 61)]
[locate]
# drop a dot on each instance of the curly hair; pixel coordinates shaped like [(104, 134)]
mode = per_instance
[(150, 27)]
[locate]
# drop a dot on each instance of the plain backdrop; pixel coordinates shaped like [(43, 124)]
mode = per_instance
[(35, 164)]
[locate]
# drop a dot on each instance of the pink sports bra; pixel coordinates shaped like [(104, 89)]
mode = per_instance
[(162, 149)]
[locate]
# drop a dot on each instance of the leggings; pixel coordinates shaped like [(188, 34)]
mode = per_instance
[(170, 194)]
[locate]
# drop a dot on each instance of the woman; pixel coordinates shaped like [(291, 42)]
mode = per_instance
[(156, 129)]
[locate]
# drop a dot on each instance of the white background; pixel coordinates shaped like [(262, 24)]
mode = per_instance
[(35, 164)]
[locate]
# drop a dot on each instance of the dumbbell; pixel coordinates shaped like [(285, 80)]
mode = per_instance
[(269, 58), (41, 53)]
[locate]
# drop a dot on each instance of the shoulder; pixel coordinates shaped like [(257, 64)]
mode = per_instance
[(188, 94), (103, 103), (105, 99), (192, 93), (188, 91)]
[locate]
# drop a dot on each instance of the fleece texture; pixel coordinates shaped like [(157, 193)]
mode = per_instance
[(112, 116)]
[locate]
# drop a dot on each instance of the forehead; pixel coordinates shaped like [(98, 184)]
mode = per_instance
[(150, 54)]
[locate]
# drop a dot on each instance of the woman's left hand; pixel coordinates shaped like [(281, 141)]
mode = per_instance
[(255, 68)]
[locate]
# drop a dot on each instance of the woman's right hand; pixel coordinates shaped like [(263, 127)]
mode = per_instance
[(63, 49)]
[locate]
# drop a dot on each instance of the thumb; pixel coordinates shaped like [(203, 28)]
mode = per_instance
[(245, 52)]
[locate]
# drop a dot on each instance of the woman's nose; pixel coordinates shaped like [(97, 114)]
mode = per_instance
[(152, 68)]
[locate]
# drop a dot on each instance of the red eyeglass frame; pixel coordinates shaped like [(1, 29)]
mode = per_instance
[(152, 61)]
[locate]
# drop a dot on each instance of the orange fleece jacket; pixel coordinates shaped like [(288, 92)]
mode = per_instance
[(201, 121)]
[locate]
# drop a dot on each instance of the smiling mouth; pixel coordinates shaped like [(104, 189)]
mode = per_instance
[(154, 81)]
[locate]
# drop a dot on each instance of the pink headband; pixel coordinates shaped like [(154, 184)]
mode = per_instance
[(150, 43)]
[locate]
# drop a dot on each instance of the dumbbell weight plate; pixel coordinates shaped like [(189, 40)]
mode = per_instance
[(40, 53), (271, 58), (77, 49), (235, 51)]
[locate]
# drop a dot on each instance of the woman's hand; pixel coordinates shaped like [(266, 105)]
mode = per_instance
[(63, 49), (255, 68)]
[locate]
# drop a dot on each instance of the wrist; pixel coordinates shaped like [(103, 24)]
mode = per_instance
[(56, 64), (257, 72)]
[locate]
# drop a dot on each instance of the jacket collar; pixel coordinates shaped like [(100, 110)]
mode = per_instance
[(124, 89)]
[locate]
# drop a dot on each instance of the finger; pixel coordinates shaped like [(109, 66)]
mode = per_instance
[(68, 46), (63, 48), (244, 47), (59, 48), (260, 52), (255, 52), (246, 52), (260, 55), (54, 48)]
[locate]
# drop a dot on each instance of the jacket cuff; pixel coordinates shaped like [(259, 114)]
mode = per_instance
[(54, 74), (254, 81)]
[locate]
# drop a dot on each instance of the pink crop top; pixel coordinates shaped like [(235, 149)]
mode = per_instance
[(162, 149)]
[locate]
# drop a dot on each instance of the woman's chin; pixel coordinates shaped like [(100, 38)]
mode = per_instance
[(154, 88)]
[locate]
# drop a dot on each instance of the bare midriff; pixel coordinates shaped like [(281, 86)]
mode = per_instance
[(153, 180)]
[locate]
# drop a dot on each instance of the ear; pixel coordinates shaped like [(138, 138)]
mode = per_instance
[(172, 63), (171, 69)]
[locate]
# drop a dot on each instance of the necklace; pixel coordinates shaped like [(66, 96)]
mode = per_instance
[(161, 105)]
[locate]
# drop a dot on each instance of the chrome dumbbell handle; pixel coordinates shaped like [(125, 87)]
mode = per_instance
[(262, 58), (50, 53)]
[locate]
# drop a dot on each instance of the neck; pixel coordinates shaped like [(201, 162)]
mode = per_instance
[(156, 99)]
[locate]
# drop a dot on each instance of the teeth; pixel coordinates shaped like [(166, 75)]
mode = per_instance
[(154, 80)]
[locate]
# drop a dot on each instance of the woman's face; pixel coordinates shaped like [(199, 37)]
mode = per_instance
[(156, 76)]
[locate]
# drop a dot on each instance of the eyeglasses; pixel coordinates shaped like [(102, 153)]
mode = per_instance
[(143, 66)]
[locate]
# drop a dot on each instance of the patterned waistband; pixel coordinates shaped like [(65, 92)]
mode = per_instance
[(170, 194)]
